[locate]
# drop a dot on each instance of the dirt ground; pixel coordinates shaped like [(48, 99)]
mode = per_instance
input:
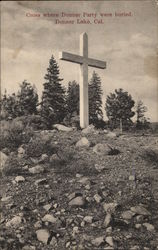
[(128, 179)]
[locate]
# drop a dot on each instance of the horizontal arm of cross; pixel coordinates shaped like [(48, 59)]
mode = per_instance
[(70, 57), (96, 63), (80, 60)]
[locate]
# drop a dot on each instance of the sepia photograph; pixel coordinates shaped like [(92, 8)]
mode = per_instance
[(79, 125)]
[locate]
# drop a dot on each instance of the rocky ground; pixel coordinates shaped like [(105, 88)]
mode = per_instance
[(98, 191)]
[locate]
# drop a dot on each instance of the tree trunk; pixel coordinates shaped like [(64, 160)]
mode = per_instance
[(121, 125)]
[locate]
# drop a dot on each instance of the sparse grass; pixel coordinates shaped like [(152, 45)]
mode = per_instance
[(151, 156)]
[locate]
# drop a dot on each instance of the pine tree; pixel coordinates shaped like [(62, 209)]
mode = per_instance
[(53, 96), (9, 106), (27, 99), (72, 98), (118, 108), (95, 99), (142, 122)]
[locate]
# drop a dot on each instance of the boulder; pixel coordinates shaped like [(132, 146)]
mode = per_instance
[(36, 169), (88, 219), (109, 240), (78, 201), (88, 130), (19, 179), (61, 127), (140, 210), (107, 220), (98, 241), (101, 149), (127, 215), (83, 142), (44, 158), (15, 222), (110, 207), (49, 218), (149, 226), (43, 235)]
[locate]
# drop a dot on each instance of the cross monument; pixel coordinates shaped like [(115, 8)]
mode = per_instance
[(84, 62)]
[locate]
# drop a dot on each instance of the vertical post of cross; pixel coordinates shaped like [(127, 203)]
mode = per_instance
[(84, 107)]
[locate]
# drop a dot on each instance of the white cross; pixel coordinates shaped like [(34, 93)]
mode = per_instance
[(84, 62)]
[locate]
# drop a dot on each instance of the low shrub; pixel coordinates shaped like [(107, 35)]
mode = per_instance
[(12, 165), (32, 121), (13, 134), (39, 145)]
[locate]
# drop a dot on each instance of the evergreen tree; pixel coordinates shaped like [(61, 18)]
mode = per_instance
[(27, 99), (142, 122), (53, 96), (9, 106), (118, 108), (95, 99), (72, 98)]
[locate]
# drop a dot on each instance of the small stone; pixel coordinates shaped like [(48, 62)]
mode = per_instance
[(82, 223), (38, 224), (135, 248), (149, 227), (139, 218), (107, 220), (37, 169), (88, 219), (97, 198), (47, 207), (83, 142), (101, 149), (79, 201), (111, 134), (98, 241), (21, 150), (75, 230), (99, 167), (49, 218), (19, 179), (140, 210), (78, 175), (55, 205), (109, 240), (89, 129), (43, 235), (26, 167), (83, 180), (127, 215), (120, 193), (53, 242), (6, 199), (29, 247), (15, 222), (63, 128), (41, 181), (109, 230), (44, 158), (68, 244), (110, 207), (88, 187), (137, 226), (131, 178), (54, 158)]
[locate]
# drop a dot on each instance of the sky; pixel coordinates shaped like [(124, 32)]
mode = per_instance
[(128, 44)]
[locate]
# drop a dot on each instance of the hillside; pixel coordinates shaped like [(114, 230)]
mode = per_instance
[(99, 193)]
